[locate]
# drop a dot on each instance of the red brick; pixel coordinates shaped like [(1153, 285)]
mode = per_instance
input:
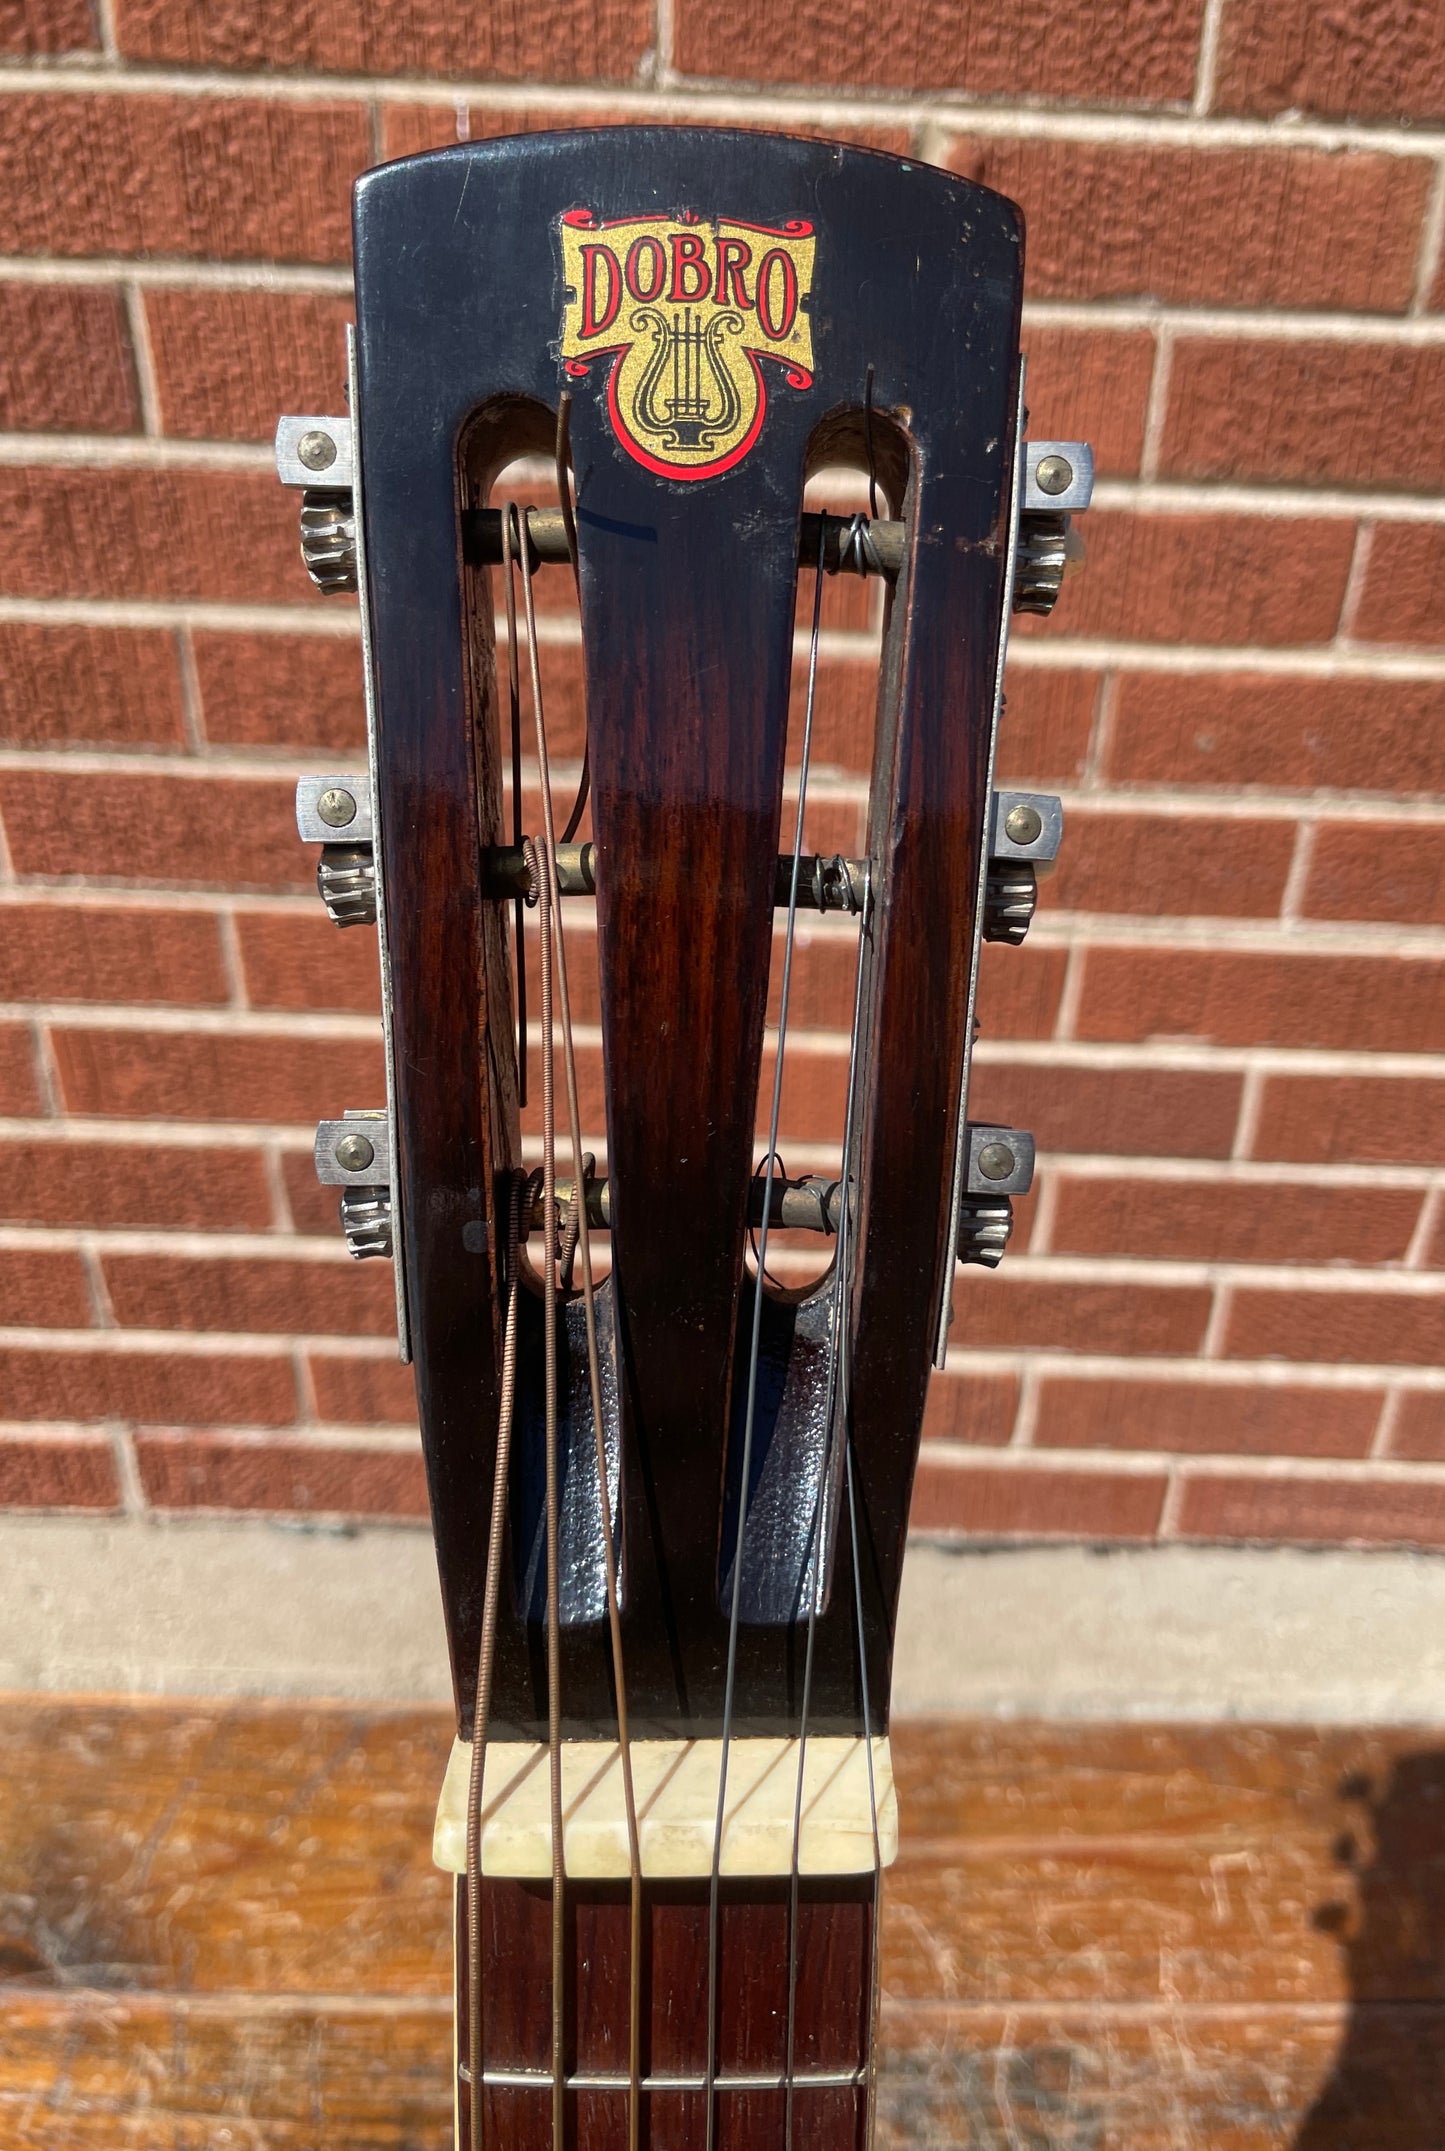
[(1371, 1120), (1131, 52), (1000, 1502), (561, 40), (149, 533), (1382, 871), (1419, 1428), (1232, 1221), (141, 825), (238, 178), (1138, 1112), (208, 1388), (19, 1089), (971, 1407), (43, 1285), (1208, 579), (1205, 1418), (1366, 59), (281, 691), (116, 686), (228, 363), (216, 1190), (1220, 227), (407, 129), (58, 1475), (1019, 990), (1174, 865), (314, 1209), (1233, 729), (1000, 1311), (56, 952), (36, 26), (363, 1392), (189, 1471), (1047, 724), (1404, 1329), (65, 361), (1403, 576), (275, 1295), (1320, 412), (292, 962), (1238, 997), (170, 1075), (1315, 1512), (1091, 385)]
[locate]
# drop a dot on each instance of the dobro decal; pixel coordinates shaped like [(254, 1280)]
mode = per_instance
[(685, 311)]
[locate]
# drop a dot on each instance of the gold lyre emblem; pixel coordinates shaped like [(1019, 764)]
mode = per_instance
[(687, 311)]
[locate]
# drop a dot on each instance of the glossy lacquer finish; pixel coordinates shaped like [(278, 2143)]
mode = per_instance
[(687, 594)]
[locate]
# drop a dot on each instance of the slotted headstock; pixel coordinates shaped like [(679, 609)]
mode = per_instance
[(729, 315)]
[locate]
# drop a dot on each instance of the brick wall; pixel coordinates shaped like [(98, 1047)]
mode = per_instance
[(1226, 1317)]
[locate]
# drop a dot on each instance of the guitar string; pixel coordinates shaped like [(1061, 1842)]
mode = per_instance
[(841, 1318), (520, 1197), (519, 1203), (514, 708), (562, 452), (546, 880), (754, 1361), (594, 1377)]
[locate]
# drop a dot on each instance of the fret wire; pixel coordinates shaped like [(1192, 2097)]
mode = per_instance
[(616, 2080), (754, 1361)]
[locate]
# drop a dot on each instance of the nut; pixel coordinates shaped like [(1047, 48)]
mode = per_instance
[(996, 1161), (354, 1153), (336, 807), (317, 450), (1024, 824), (1055, 474)]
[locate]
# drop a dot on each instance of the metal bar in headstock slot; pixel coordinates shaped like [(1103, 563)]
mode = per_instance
[(960, 1152), (398, 1214)]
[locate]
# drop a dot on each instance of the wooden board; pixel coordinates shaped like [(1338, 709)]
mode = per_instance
[(1153, 1939)]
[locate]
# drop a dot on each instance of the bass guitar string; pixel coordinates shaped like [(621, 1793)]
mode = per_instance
[(594, 1377), (754, 1361), (841, 1318), (514, 711), (520, 1198), (546, 879)]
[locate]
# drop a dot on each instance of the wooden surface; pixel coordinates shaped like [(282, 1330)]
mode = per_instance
[(221, 1927)]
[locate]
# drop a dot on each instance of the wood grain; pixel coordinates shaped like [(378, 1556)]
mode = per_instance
[(1096, 1938)]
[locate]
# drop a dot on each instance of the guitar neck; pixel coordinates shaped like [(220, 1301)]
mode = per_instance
[(827, 1937)]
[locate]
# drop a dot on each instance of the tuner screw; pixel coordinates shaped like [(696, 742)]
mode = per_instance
[(318, 452), (1055, 474), (996, 1161), (353, 1153), (337, 808), (1023, 823)]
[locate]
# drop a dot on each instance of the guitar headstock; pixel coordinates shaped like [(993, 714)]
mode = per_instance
[(686, 1479)]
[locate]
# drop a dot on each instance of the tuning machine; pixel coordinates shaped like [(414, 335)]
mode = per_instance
[(354, 1154), (334, 811), (1058, 484), (1024, 834), (1000, 1165), (315, 454)]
